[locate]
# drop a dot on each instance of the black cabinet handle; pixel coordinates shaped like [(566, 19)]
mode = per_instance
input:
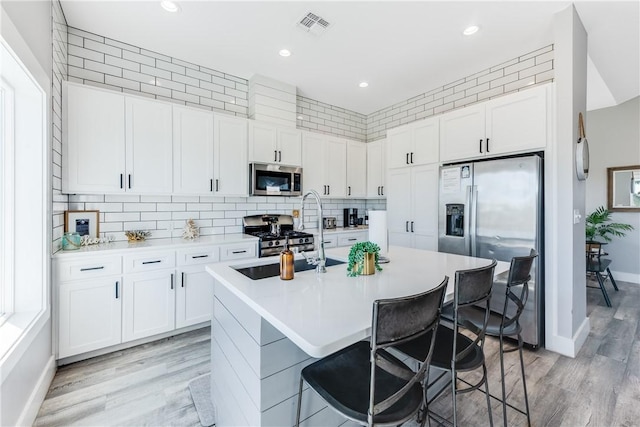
[(275, 155), (171, 280), (279, 156), (211, 184), (407, 159), (239, 252), (378, 190), (152, 262), (92, 268), (487, 145), (217, 185), (411, 157), (481, 146), (382, 190), (129, 180), (182, 280), (200, 256), (349, 187), (406, 226), (412, 226), (117, 285), (121, 180), (328, 189)]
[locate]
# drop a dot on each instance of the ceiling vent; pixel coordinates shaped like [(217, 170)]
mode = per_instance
[(313, 24)]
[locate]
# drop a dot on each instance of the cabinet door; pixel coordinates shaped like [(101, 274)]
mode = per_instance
[(90, 315), (462, 134), (263, 142), (399, 145), (149, 146), (426, 142), (375, 174), (194, 296), (424, 209), (192, 151), (94, 148), (399, 206), (230, 151), (356, 169), (518, 122), (335, 160), (148, 304), (289, 146), (313, 168)]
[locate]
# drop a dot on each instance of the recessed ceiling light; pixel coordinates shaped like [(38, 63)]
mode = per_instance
[(363, 84), (284, 52), (470, 30), (170, 6)]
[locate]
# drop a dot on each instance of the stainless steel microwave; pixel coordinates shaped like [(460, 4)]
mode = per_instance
[(275, 180)]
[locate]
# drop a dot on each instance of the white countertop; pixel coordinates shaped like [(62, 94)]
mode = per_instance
[(322, 313), (151, 244)]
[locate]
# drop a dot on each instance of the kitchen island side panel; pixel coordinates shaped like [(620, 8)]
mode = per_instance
[(256, 371)]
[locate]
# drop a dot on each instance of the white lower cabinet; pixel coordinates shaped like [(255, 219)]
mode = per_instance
[(412, 206), (127, 295), (89, 315), (149, 301)]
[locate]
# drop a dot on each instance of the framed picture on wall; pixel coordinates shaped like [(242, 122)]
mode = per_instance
[(85, 223)]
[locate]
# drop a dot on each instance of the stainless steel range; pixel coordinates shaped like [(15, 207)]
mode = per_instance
[(273, 231)]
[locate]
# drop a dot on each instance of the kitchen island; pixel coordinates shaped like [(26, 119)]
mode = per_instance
[(265, 331)]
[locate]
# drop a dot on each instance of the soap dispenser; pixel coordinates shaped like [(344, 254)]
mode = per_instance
[(286, 262)]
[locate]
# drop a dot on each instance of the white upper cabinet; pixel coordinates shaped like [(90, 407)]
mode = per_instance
[(149, 148), (93, 157), (324, 164), (115, 143), (414, 144), (269, 143), (356, 169), (230, 156), (376, 168), (192, 151), (508, 124)]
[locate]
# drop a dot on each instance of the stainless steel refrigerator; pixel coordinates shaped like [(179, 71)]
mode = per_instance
[(494, 209)]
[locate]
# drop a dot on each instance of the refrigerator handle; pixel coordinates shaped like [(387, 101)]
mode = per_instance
[(472, 219), (467, 220)]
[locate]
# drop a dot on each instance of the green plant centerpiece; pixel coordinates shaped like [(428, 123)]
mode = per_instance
[(599, 226), (357, 258)]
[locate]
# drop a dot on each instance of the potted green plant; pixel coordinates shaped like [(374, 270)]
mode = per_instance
[(599, 226), (363, 259)]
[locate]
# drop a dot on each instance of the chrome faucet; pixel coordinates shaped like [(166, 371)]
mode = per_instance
[(321, 260)]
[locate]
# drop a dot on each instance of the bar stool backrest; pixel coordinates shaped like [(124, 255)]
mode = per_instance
[(519, 275), (396, 321)]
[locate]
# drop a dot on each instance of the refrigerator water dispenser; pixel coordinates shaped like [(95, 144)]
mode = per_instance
[(455, 220)]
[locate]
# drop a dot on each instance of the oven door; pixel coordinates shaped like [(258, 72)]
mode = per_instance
[(275, 180)]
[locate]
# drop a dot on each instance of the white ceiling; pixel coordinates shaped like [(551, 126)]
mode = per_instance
[(401, 48)]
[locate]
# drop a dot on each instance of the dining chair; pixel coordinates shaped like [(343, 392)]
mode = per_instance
[(598, 266), (460, 348), (505, 322), (366, 383)]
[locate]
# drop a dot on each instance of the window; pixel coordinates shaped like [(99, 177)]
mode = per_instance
[(24, 212)]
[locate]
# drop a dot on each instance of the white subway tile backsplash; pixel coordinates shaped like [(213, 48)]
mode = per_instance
[(122, 63), (185, 79), (155, 90), (132, 198), (155, 216), (136, 57), (155, 55), (154, 71), (85, 74), (101, 47), (121, 216)]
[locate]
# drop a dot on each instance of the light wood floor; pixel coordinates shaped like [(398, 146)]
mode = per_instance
[(147, 385)]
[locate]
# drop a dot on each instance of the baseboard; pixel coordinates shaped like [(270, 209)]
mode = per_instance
[(627, 277), (30, 411), (569, 346)]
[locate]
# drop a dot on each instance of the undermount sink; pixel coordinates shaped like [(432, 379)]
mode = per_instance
[(258, 272)]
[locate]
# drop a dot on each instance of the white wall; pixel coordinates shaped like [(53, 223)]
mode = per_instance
[(614, 140), (27, 369)]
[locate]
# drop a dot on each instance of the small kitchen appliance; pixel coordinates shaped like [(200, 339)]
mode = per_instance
[(350, 217), (275, 180), (329, 222), (273, 231)]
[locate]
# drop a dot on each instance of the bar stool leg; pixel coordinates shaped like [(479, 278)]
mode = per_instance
[(524, 381), (299, 403), (486, 389), (453, 389), (604, 291), (613, 282), (504, 391)]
